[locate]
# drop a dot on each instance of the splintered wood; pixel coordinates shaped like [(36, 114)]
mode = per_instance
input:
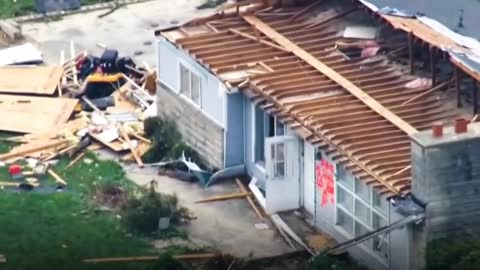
[(34, 114), (30, 80)]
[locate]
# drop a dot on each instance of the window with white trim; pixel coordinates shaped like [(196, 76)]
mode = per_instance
[(190, 85), (361, 209), (265, 126)]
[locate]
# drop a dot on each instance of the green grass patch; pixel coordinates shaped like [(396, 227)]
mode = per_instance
[(9, 9), (59, 230)]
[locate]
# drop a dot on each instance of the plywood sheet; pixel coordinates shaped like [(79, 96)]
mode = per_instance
[(30, 80), (34, 114)]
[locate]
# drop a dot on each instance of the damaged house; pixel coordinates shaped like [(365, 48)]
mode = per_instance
[(329, 106)]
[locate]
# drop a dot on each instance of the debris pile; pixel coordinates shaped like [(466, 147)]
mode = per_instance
[(85, 102)]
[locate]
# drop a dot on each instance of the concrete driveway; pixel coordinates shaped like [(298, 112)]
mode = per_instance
[(129, 29), (228, 226)]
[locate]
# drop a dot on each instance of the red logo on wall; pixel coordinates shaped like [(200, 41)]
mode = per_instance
[(325, 181)]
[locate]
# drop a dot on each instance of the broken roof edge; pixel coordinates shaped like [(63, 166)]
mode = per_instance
[(228, 87), (467, 42), (222, 12)]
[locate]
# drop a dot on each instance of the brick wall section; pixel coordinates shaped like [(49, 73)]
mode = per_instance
[(199, 131)]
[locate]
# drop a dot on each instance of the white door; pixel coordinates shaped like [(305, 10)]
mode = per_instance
[(309, 178), (282, 163)]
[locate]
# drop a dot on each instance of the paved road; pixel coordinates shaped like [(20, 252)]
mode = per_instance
[(129, 29)]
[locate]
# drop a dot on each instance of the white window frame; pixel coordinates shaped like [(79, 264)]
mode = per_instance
[(191, 73), (372, 209), (266, 123)]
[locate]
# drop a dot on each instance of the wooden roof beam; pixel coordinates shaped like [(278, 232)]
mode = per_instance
[(332, 74)]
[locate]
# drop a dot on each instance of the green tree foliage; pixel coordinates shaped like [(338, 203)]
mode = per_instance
[(167, 142), (454, 253)]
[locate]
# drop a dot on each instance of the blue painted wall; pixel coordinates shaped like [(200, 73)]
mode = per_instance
[(235, 131), (214, 94)]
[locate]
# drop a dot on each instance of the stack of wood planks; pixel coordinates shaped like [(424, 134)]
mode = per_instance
[(45, 109)]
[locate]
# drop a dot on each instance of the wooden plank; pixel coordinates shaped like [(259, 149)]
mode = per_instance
[(29, 150), (332, 74), (34, 114), (57, 177), (75, 160), (133, 150), (250, 201), (38, 80), (200, 256), (237, 32), (237, 195), (305, 10)]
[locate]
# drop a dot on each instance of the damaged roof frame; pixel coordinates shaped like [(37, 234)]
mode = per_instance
[(333, 102)]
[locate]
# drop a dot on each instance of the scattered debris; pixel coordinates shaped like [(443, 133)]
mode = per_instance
[(11, 29), (25, 54)]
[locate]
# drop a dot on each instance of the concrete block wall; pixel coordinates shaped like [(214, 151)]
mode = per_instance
[(446, 176), (198, 130)]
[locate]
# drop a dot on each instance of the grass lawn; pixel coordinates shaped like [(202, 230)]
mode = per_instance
[(58, 230), (9, 9)]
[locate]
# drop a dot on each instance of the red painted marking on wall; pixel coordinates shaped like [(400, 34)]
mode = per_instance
[(325, 181)]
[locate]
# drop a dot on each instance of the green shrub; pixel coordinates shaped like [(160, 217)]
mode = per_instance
[(167, 262), (142, 213), (167, 142), (460, 252)]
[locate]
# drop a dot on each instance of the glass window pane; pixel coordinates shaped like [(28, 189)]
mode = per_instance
[(184, 81), (379, 203), (378, 221), (280, 152), (345, 221), (360, 229), (279, 170), (343, 178), (363, 191), (344, 199), (380, 246), (279, 129), (259, 135), (196, 89), (362, 212)]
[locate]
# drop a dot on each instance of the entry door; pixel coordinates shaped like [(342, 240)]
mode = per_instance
[(282, 164)]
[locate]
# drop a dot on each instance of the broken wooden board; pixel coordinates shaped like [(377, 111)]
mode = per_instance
[(37, 148), (114, 145), (41, 80), (22, 54), (34, 114)]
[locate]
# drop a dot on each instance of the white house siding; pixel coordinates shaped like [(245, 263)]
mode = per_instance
[(309, 177), (325, 221), (202, 127)]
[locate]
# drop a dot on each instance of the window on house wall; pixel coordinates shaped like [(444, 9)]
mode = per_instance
[(359, 210), (266, 126), (190, 85)]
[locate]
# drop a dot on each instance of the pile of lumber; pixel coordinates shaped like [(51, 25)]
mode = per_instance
[(54, 118)]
